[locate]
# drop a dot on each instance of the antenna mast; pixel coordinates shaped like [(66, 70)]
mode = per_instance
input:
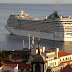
[(32, 42), (29, 39), (23, 44)]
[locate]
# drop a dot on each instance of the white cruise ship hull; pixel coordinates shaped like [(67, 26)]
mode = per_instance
[(59, 36)]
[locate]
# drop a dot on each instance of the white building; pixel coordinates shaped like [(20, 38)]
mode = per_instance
[(51, 60), (8, 68), (15, 67)]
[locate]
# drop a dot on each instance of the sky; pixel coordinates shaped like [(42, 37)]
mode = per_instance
[(37, 1)]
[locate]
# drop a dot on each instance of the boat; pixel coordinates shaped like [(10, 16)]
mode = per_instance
[(53, 27)]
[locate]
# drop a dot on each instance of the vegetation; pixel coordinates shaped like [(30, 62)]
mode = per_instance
[(4, 55)]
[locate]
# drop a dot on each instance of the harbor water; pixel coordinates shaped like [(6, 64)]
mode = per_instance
[(9, 42)]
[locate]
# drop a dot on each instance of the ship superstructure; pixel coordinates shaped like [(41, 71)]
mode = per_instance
[(53, 27)]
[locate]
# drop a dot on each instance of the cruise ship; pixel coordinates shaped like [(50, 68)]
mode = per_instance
[(53, 27)]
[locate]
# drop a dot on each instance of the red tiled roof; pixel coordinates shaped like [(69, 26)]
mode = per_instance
[(6, 71), (21, 64), (16, 58), (62, 53), (67, 68), (7, 65), (25, 66)]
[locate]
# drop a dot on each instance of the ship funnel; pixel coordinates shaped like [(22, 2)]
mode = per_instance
[(55, 14)]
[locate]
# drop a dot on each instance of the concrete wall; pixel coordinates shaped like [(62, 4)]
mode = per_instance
[(15, 69), (1, 69), (54, 63), (65, 58), (50, 53), (41, 67), (17, 60), (34, 51), (34, 67), (8, 68), (51, 58), (45, 67)]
